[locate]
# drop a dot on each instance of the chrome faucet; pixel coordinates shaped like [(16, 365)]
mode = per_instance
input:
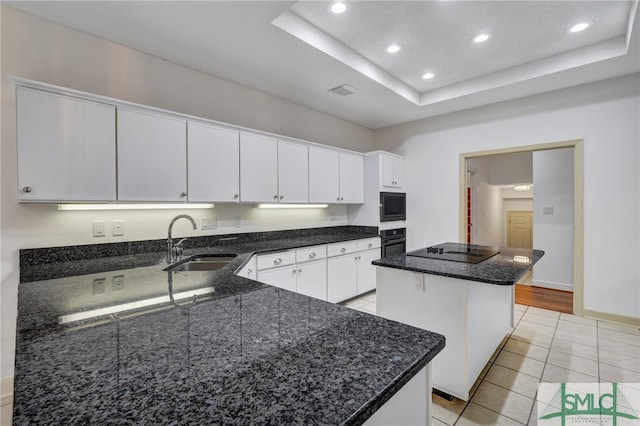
[(174, 252)]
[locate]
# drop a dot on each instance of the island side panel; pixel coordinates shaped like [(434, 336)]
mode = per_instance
[(410, 406), (473, 316), (434, 307)]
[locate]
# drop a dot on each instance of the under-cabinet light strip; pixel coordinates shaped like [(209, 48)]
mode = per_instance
[(149, 206), (95, 313), (293, 206)]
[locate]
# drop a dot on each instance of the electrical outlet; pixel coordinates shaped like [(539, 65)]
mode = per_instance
[(117, 282), (98, 228), (418, 282), (208, 223), (547, 210), (117, 228), (99, 286)]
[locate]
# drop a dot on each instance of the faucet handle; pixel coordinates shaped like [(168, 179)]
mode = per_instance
[(179, 243)]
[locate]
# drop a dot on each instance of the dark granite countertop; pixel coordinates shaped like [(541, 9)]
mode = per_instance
[(505, 268), (240, 352)]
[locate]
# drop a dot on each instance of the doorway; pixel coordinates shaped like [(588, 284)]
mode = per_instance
[(577, 248)]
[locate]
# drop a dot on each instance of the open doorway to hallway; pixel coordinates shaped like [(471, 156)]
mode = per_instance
[(541, 214)]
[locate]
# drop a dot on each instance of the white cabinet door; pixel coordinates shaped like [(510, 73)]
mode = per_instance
[(342, 278), (324, 175), (152, 157), (258, 168), (66, 148), (293, 172), (367, 271), (351, 178), (392, 171), (213, 163), (312, 279), (249, 270), (284, 277)]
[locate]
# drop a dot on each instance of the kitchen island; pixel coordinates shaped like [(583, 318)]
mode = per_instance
[(471, 304), (214, 348)]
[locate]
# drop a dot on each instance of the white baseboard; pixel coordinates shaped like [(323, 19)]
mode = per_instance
[(6, 391), (552, 285)]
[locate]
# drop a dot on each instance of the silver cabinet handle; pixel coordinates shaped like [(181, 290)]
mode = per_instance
[(236, 196), (341, 198), (277, 261), (184, 194), (369, 245), (26, 189), (299, 271), (312, 255), (249, 271), (294, 272), (338, 199), (281, 197), (342, 250), (275, 197)]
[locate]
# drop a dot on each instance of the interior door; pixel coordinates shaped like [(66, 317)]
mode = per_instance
[(520, 229)]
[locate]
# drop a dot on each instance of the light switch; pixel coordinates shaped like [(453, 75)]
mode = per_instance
[(547, 210), (98, 228)]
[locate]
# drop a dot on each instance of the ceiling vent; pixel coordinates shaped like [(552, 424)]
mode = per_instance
[(344, 90)]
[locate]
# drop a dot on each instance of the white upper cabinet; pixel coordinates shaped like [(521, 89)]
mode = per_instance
[(152, 157), (351, 178), (258, 168), (324, 175), (335, 176), (66, 148), (293, 172), (392, 171), (213, 157)]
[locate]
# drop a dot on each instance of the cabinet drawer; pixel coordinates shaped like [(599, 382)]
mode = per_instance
[(266, 261), (338, 249), (368, 244), (308, 254)]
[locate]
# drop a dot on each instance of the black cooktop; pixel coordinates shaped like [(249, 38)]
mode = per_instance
[(455, 253)]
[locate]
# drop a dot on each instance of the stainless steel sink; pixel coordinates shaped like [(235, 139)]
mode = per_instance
[(200, 263)]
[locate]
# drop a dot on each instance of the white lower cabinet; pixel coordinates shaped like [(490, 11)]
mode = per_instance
[(284, 277), (342, 276), (312, 279), (333, 272), (367, 271), (249, 269), (312, 271)]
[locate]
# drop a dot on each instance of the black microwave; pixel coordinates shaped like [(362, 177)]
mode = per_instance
[(393, 206)]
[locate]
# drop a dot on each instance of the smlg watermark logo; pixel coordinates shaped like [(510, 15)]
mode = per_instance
[(610, 404)]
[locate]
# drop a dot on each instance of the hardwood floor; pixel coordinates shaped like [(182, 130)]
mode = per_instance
[(545, 298)]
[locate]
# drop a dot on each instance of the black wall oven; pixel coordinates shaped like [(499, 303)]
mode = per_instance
[(393, 206), (393, 241)]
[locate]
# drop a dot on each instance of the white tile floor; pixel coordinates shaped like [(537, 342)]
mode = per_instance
[(544, 346)]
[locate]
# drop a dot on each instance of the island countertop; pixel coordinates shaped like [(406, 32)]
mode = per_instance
[(505, 268), (241, 353)]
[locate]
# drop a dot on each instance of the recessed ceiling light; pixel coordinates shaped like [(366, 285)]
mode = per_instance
[(393, 48), (481, 38), (428, 75), (579, 27), (338, 7)]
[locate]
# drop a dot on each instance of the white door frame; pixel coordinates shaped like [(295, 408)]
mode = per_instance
[(578, 200)]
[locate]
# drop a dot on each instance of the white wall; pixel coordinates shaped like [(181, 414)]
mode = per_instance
[(39, 50), (510, 169), (486, 205), (553, 187), (605, 115)]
